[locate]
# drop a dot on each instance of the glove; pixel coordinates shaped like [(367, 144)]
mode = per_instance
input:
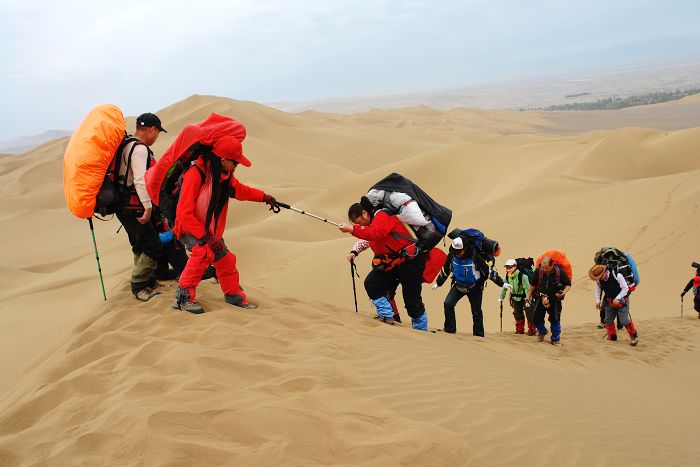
[(272, 202), (507, 286), (166, 237), (434, 286)]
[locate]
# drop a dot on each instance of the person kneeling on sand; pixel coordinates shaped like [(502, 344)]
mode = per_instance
[(395, 258), (615, 302), (201, 220), (551, 284), (469, 270)]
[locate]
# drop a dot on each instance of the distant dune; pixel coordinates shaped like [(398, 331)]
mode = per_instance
[(26, 143), (304, 379)]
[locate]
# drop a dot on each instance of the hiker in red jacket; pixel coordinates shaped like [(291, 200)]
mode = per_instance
[(395, 259), (201, 220)]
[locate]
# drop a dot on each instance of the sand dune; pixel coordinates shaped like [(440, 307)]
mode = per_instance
[(306, 380)]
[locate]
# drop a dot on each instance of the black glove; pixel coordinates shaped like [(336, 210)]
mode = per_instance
[(272, 202)]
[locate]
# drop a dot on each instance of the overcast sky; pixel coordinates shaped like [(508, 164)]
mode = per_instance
[(60, 58)]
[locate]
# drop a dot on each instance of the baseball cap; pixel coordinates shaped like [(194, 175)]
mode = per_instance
[(149, 119), (229, 147), (511, 262), (457, 244)]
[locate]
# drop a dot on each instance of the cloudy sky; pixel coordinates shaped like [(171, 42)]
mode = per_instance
[(59, 59)]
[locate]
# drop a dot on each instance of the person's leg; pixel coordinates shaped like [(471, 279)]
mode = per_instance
[(538, 313), (519, 315), (146, 247), (476, 295), (410, 275), (531, 329), (609, 314), (229, 278), (391, 295), (555, 321), (623, 317), (377, 285), (201, 257), (453, 296)]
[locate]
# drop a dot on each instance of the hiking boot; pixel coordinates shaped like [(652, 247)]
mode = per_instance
[(397, 318), (189, 306), (601, 326), (385, 320), (531, 332), (239, 301), (635, 340), (540, 337), (555, 342), (146, 294), (247, 306)]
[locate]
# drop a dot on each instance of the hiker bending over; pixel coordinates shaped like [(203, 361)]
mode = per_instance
[(615, 301), (396, 259), (201, 220), (359, 247), (549, 285), (518, 283), (469, 269), (694, 284), (137, 210)]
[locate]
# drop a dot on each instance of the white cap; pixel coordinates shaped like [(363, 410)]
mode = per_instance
[(457, 244), (511, 262)]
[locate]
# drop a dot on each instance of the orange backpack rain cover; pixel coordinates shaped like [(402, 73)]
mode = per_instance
[(559, 258), (88, 155)]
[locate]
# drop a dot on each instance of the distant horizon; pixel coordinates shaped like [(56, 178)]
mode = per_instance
[(61, 59)]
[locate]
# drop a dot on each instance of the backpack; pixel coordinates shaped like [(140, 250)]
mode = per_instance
[(526, 268), (619, 262), (90, 184), (438, 216), (164, 179), (561, 263), (477, 240)]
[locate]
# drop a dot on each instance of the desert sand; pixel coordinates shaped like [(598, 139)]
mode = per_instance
[(306, 380)]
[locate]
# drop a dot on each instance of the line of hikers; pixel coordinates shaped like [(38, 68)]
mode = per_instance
[(399, 222)]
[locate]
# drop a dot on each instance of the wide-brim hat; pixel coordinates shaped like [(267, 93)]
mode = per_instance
[(596, 272)]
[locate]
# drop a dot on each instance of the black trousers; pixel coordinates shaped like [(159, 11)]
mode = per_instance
[(173, 254), (144, 240), (475, 295), (410, 275)]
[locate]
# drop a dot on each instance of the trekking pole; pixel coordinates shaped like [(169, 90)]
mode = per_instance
[(300, 211), (501, 317), (97, 257), (681, 306), (353, 271)]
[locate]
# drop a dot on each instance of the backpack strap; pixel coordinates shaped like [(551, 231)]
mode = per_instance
[(129, 139)]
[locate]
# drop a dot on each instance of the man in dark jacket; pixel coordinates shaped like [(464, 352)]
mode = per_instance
[(551, 284), (469, 269)]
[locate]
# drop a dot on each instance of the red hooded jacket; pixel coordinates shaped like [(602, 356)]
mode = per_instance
[(378, 233), (194, 200)]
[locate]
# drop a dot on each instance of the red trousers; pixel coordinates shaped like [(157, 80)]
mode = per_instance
[(225, 263)]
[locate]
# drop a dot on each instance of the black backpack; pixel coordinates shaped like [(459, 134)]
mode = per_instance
[(439, 214), (113, 193), (526, 266), (172, 185)]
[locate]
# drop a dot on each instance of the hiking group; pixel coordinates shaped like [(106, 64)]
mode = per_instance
[(179, 205)]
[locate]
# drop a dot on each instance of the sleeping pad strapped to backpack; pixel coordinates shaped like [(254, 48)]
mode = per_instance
[(477, 240)]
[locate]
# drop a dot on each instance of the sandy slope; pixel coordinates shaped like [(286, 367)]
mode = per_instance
[(306, 380)]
